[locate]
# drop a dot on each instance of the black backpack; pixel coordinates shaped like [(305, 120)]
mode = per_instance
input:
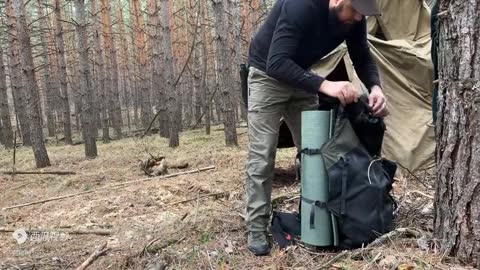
[(360, 183)]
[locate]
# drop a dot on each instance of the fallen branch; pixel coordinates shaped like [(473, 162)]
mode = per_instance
[(413, 175), (73, 232), (19, 186), (241, 215), (283, 197), (48, 200), (199, 197), (421, 193), (209, 260), (333, 260), (109, 187), (100, 251), (292, 199), (374, 260), (442, 13), (25, 172), (96, 232), (156, 249), (395, 233), (379, 241)]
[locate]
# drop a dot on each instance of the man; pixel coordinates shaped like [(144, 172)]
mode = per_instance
[(296, 34)]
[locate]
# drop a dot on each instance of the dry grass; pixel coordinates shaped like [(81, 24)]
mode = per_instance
[(149, 225)]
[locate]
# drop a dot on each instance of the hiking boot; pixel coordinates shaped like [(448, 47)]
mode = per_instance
[(258, 244)]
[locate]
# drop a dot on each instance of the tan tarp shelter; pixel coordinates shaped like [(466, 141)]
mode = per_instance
[(400, 44)]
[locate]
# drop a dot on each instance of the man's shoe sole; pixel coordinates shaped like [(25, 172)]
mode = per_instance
[(258, 252)]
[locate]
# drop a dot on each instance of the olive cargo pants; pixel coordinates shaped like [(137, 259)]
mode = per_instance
[(268, 101)]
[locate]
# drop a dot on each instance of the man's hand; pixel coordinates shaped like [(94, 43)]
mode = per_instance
[(378, 102), (344, 91)]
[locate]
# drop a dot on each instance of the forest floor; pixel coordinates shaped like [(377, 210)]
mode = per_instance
[(186, 222)]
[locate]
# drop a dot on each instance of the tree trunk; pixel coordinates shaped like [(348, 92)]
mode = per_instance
[(135, 96), (169, 75), (112, 69), (105, 69), (125, 62), (457, 200), (98, 101), (254, 15), (197, 78), (33, 97), (158, 68), (51, 89), (155, 43), (238, 55), (206, 97), (224, 72), (187, 104), (100, 76), (72, 70), (5, 122), (16, 80), (142, 61), (86, 91), (134, 64), (189, 27), (179, 92), (62, 73)]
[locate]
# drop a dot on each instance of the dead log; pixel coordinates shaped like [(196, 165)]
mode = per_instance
[(99, 251), (158, 165)]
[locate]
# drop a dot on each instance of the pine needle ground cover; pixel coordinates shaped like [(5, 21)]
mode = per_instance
[(192, 221)]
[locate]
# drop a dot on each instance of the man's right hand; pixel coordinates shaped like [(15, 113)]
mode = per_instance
[(344, 91)]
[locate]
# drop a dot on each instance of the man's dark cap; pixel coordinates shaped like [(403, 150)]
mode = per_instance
[(366, 7)]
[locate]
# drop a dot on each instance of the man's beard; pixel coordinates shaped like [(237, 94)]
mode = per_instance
[(337, 28)]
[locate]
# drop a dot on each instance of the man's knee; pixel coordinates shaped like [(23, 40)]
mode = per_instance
[(261, 154)]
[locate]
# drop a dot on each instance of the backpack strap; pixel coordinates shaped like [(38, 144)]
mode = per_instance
[(344, 187), (314, 203), (344, 179)]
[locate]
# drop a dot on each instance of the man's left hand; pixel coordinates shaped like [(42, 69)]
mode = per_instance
[(378, 102)]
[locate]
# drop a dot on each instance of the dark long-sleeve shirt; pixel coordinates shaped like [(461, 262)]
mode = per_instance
[(297, 34)]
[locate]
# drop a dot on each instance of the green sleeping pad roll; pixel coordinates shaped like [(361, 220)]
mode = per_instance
[(316, 221)]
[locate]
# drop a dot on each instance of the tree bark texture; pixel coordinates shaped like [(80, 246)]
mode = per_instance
[(51, 87), (62, 72), (86, 89), (224, 72), (169, 75), (144, 96), (5, 121), (32, 93), (457, 200), (16, 79), (112, 69), (100, 76)]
